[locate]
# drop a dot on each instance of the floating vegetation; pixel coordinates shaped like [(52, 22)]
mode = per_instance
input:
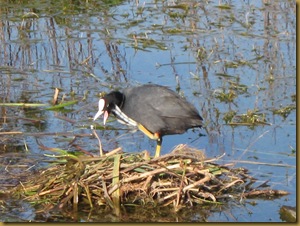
[(226, 97), (288, 214), (23, 104), (142, 42), (294, 97), (226, 7), (182, 6), (285, 111), (116, 180), (239, 88), (201, 54), (228, 116), (36, 105), (173, 31), (176, 15), (251, 118), (236, 64)]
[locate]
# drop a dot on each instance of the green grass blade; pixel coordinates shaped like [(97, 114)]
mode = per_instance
[(23, 104), (65, 104)]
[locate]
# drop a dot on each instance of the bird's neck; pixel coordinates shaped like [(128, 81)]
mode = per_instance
[(121, 104)]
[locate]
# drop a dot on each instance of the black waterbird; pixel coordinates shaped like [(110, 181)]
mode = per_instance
[(153, 109)]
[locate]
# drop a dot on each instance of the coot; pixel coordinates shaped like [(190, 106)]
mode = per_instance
[(155, 110)]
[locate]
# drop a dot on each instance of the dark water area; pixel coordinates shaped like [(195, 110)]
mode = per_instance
[(235, 61)]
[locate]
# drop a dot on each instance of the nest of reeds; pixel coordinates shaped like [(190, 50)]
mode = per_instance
[(182, 177)]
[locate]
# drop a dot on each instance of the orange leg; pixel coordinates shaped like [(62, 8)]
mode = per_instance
[(152, 136)]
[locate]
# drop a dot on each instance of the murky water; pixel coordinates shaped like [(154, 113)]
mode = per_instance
[(225, 57)]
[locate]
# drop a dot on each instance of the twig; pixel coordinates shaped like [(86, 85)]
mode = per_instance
[(99, 141), (202, 181)]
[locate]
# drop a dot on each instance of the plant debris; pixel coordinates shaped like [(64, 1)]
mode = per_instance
[(181, 178)]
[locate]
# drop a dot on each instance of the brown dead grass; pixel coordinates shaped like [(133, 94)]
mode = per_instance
[(183, 177)]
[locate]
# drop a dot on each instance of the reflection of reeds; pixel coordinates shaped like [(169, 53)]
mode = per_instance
[(56, 45), (183, 177)]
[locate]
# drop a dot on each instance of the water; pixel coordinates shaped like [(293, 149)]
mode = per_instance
[(199, 49)]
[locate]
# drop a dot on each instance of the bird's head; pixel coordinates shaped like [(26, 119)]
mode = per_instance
[(108, 103)]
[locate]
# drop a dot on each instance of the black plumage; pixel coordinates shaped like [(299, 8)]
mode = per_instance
[(156, 108), (160, 110)]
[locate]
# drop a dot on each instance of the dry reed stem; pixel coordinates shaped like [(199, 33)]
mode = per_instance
[(115, 181), (99, 142), (55, 96)]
